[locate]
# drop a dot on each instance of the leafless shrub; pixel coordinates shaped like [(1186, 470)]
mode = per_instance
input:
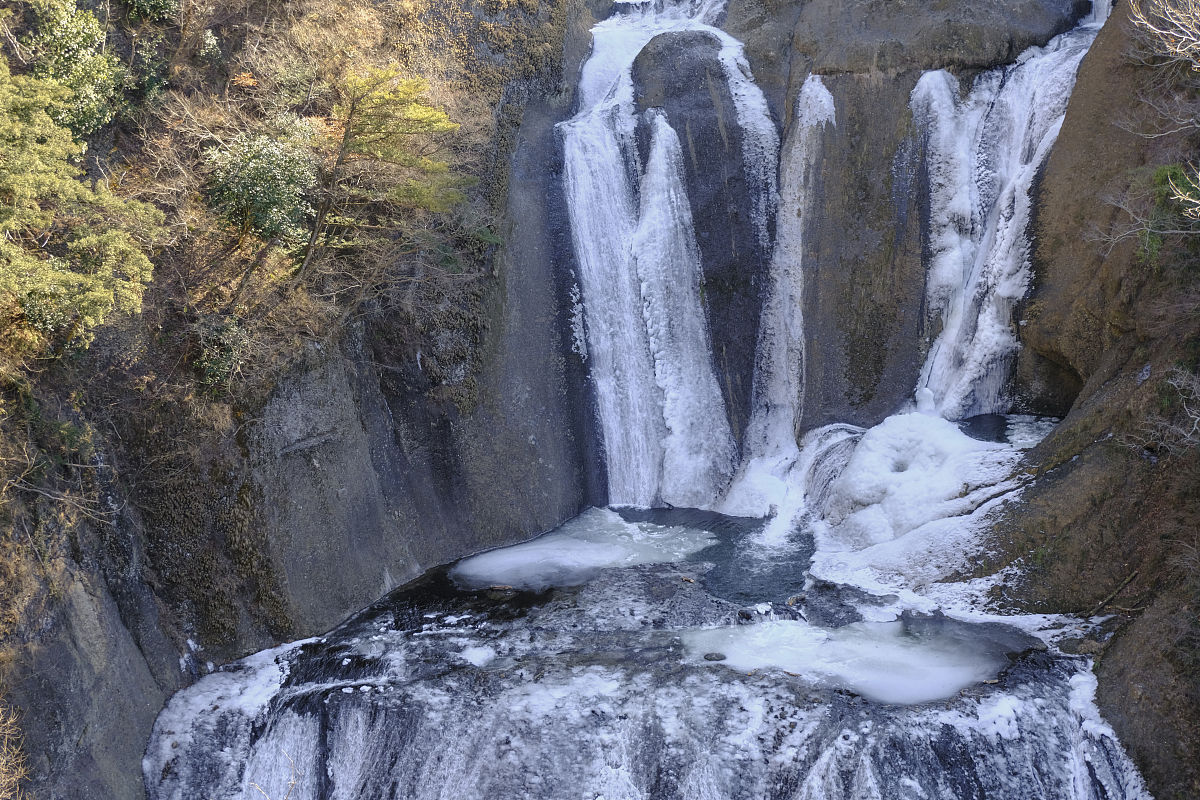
[(1174, 430), (1169, 30)]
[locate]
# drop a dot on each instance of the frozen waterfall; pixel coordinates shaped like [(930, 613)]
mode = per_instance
[(774, 469), (810, 639), (662, 419), (984, 152)]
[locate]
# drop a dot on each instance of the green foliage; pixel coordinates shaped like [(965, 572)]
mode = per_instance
[(259, 184), (70, 253), (1174, 210), (148, 76), (68, 46), (210, 47), (379, 162), (383, 117), (152, 10), (224, 346)]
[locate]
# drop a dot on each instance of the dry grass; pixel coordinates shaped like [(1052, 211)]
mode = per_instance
[(13, 770)]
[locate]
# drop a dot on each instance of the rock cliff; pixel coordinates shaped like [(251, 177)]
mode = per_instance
[(396, 449)]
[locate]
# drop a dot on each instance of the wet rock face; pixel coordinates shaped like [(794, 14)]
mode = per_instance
[(785, 38), (680, 73), (865, 277), (876, 35)]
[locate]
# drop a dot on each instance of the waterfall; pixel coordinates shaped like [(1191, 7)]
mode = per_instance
[(698, 448), (662, 418), (984, 152), (772, 476), (779, 373), (813, 640)]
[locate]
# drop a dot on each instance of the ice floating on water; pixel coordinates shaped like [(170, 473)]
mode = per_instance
[(479, 655), (882, 661), (573, 553)]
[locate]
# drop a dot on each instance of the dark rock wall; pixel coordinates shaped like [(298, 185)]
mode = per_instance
[(681, 74), (864, 277)]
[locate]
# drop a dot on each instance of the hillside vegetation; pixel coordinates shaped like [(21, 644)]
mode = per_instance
[(197, 198)]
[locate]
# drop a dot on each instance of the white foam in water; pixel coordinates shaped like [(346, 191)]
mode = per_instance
[(479, 655), (878, 660), (1023, 431), (984, 151), (573, 553)]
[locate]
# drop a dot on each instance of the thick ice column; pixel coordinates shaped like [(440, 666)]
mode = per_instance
[(698, 449), (769, 475), (779, 373), (984, 152), (603, 217)]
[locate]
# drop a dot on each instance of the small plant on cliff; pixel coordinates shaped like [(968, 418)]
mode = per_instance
[(1172, 211), (1174, 429), (379, 160), (259, 184), (152, 10), (224, 346), (12, 757)]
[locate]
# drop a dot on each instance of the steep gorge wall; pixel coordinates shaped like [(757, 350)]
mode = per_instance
[(368, 463), (1114, 511)]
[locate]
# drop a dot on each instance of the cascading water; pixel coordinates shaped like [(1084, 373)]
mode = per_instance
[(662, 418), (984, 152), (772, 477), (808, 643)]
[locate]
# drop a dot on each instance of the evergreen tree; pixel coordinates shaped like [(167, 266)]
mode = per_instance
[(70, 253), (379, 162), (67, 45)]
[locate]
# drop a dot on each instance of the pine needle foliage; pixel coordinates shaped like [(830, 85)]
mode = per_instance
[(380, 161), (70, 253)]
